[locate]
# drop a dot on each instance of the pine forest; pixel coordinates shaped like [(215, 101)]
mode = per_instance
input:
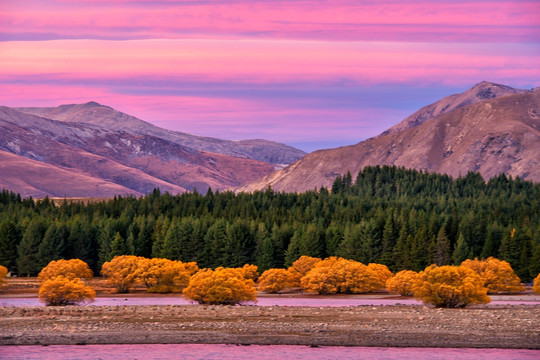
[(405, 219)]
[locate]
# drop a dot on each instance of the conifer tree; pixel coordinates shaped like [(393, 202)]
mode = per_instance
[(462, 250), (10, 238), (28, 262)]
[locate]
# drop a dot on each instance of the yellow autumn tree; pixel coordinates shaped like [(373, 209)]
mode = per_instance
[(450, 286), (62, 290), (536, 284), (498, 275), (3, 274), (300, 268), (163, 275), (220, 286), (250, 271), (381, 274), (337, 275), (192, 267), (71, 269), (122, 272), (274, 280), (402, 282)]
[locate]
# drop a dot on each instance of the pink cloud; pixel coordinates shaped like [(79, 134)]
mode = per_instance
[(353, 20), (261, 61)]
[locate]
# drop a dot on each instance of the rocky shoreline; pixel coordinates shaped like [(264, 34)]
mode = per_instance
[(488, 326)]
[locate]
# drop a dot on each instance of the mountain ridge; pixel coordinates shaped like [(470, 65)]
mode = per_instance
[(496, 135), (112, 119), (137, 162)]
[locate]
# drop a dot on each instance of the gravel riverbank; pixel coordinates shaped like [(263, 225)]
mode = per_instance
[(488, 326)]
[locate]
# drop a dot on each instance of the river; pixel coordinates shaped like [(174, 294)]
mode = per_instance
[(235, 352)]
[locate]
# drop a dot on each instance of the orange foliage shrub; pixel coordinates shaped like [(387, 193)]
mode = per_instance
[(192, 267), (337, 275), (301, 267), (498, 275), (274, 280), (3, 273), (450, 286), (163, 275), (61, 290), (250, 272), (122, 272), (220, 286), (71, 269), (381, 273), (536, 284), (402, 282)]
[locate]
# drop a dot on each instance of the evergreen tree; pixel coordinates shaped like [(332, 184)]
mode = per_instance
[(10, 237), (53, 244), (462, 250), (119, 246), (265, 255), (28, 262), (293, 250), (442, 253)]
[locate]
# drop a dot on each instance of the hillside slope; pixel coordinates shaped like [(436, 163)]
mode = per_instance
[(500, 135)]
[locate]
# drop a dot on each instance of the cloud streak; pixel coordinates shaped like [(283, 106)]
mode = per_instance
[(304, 72)]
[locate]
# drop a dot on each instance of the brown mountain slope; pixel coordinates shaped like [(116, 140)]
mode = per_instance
[(482, 91), (108, 118), (37, 179), (494, 136), (137, 162)]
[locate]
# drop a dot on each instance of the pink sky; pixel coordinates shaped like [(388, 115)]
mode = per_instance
[(312, 74)]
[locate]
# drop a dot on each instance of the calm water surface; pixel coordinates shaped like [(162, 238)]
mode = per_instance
[(263, 301), (273, 352)]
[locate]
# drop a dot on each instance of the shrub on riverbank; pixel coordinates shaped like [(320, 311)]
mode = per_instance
[(61, 291), (274, 280), (71, 269), (498, 275), (402, 282), (450, 286), (536, 285), (3, 273), (221, 286)]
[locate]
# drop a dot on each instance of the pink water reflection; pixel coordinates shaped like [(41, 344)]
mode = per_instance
[(262, 301), (218, 351)]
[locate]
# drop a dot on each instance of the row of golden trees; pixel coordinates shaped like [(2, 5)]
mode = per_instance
[(64, 282)]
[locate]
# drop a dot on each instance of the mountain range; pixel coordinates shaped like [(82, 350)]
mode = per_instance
[(93, 150), (490, 128)]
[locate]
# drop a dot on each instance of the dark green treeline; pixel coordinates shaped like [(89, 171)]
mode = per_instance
[(402, 218)]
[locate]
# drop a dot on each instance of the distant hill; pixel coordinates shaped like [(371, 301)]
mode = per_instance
[(490, 128), (77, 159), (108, 118)]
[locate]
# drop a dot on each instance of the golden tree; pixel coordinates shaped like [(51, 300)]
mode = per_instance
[(3, 273), (250, 272), (381, 274), (536, 284), (498, 275), (337, 275), (220, 286), (71, 269), (402, 282), (192, 267), (163, 275), (122, 272), (450, 286), (274, 280), (301, 267), (62, 290)]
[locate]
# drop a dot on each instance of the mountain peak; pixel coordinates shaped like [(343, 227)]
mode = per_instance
[(484, 90)]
